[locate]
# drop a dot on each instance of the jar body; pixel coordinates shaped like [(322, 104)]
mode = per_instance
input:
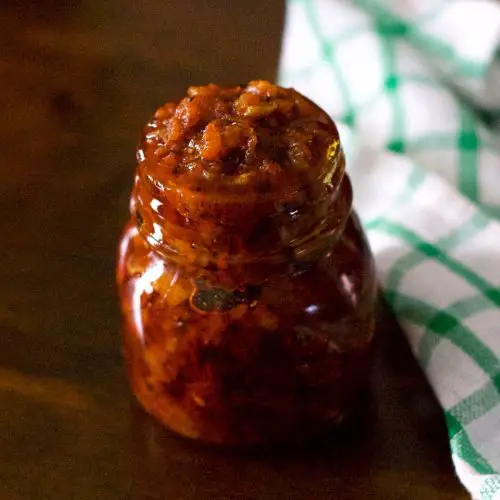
[(276, 359)]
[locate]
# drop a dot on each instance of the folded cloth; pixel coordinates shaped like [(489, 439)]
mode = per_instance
[(417, 85)]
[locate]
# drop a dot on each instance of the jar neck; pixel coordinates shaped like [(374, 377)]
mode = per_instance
[(215, 231)]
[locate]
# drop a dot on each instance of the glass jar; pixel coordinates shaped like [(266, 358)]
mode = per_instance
[(252, 322)]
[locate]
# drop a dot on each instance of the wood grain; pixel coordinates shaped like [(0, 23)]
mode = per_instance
[(78, 80)]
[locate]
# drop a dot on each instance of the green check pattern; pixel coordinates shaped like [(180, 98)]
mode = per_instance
[(415, 86)]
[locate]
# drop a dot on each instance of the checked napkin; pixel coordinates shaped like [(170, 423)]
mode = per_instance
[(416, 87)]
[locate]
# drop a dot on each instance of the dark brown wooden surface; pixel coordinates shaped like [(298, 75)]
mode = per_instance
[(78, 79)]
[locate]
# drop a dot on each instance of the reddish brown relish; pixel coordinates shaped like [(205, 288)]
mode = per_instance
[(246, 283), (260, 137)]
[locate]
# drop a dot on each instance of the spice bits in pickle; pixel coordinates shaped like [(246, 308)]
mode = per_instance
[(206, 299), (260, 137)]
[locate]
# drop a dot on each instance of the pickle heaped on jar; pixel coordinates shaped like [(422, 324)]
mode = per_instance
[(246, 283)]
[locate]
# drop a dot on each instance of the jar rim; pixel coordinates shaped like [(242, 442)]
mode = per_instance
[(277, 178), (332, 172)]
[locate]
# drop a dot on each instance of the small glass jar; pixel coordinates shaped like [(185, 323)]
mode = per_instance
[(251, 323)]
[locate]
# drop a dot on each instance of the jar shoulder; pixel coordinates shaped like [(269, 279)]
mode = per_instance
[(336, 289)]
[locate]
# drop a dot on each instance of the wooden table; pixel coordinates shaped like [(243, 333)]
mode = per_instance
[(78, 81)]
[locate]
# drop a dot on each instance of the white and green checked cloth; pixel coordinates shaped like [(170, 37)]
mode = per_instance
[(417, 85)]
